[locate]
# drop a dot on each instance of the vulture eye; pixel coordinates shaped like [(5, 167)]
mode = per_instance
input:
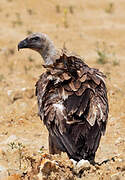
[(35, 38)]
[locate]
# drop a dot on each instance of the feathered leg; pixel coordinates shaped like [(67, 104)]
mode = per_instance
[(52, 146)]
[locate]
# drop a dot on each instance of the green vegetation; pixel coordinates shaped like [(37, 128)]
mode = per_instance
[(27, 68), (65, 18), (1, 77), (58, 8), (71, 9), (115, 60), (20, 147), (30, 59), (41, 150), (11, 66), (102, 54), (105, 55), (30, 11), (38, 66), (65, 11), (29, 32), (110, 8), (18, 20)]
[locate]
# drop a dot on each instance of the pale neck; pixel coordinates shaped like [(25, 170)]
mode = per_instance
[(48, 53)]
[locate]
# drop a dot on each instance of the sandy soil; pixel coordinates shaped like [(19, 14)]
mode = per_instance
[(86, 27)]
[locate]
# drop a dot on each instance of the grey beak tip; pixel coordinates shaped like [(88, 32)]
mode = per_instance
[(22, 44), (19, 46)]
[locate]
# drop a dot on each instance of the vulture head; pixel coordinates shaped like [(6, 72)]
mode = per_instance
[(42, 44)]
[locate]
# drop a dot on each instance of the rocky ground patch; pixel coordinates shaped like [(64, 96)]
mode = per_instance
[(92, 29)]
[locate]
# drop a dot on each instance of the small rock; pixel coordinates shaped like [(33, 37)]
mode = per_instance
[(17, 96), (115, 176), (82, 165), (14, 95), (73, 162), (3, 173), (29, 93), (47, 166), (119, 140), (120, 160)]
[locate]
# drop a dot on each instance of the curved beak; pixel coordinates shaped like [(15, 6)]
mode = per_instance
[(23, 44)]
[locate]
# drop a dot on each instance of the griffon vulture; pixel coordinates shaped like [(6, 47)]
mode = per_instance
[(72, 100)]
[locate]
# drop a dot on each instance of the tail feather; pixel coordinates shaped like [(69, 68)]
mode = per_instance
[(80, 142), (67, 142)]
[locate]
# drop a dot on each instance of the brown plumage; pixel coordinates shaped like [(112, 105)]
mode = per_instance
[(72, 100)]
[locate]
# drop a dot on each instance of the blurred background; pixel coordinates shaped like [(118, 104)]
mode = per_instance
[(93, 29)]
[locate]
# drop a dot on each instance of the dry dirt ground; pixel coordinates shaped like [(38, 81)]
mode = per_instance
[(92, 29)]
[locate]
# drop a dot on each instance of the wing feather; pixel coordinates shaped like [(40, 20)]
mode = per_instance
[(89, 100), (83, 78)]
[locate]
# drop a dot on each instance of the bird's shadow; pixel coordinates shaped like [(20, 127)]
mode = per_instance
[(103, 162)]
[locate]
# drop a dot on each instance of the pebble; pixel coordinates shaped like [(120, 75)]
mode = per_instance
[(119, 140), (115, 176), (47, 166), (3, 173), (82, 165)]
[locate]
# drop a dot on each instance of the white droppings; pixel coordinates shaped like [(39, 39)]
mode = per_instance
[(59, 106), (92, 119), (50, 77), (57, 80), (53, 96), (101, 113), (64, 95)]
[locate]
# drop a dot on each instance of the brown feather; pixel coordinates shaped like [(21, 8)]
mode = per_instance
[(59, 65), (77, 84), (96, 79), (84, 102), (70, 93), (67, 87), (60, 91), (72, 86), (66, 76), (50, 116), (83, 78), (81, 90), (80, 72)]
